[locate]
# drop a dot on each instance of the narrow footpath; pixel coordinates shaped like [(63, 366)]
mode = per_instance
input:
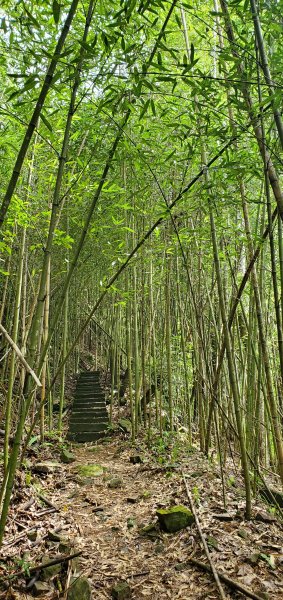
[(101, 504)]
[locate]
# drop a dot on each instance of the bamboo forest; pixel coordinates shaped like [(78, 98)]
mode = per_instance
[(141, 299)]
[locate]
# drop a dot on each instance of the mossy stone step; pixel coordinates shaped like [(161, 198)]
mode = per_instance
[(80, 426), (90, 412), (84, 395), (93, 391), (85, 436), (87, 406), (86, 399), (87, 414), (88, 419), (96, 395)]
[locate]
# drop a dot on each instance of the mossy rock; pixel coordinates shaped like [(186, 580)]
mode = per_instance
[(46, 467), (90, 470), (151, 531), (115, 483), (175, 518), (79, 589), (40, 589), (121, 591), (50, 572), (125, 425), (67, 457)]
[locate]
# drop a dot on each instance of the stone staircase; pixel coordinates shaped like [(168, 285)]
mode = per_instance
[(89, 417)]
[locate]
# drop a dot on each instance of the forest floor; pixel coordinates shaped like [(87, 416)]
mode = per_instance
[(102, 517)]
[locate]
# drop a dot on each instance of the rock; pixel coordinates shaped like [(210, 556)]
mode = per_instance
[(272, 496), (174, 519), (224, 516), (121, 591), (125, 425), (46, 467), (136, 459), (40, 588), (32, 535), (212, 542), (264, 517), (53, 536), (79, 589), (131, 522), (182, 566), (90, 470), (242, 533), (159, 548), (65, 546), (114, 483), (132, 499), (67, 457), (151, 531), (51, 571)]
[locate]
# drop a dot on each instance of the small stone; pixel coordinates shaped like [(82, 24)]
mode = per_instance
[(151, 531), (159, 548), (174, 519), (65, 546), (181, 566), (242, 533), (136, 459), (32, 535), (212, 542), (114, 483), (125, 425), (40, 588), (51, 571), (121, 591), (132, 499), (67, 457), (46, 467), (79, 589), (53, 536), (131, 522), (223, 516)]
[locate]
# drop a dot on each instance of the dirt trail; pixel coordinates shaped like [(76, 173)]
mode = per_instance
[(114, 549), (105, 523)]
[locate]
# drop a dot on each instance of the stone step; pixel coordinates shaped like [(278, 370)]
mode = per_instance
[(89, 377), (89, 398), (82, 426), (89, 419), (89, 410), (88, 404), (86, 399), (85, 436), (77, 417), (89, 390), (83, 393)]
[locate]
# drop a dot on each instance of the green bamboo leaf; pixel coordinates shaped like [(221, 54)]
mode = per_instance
[(46, 122), (56, 11), (144, 109)]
